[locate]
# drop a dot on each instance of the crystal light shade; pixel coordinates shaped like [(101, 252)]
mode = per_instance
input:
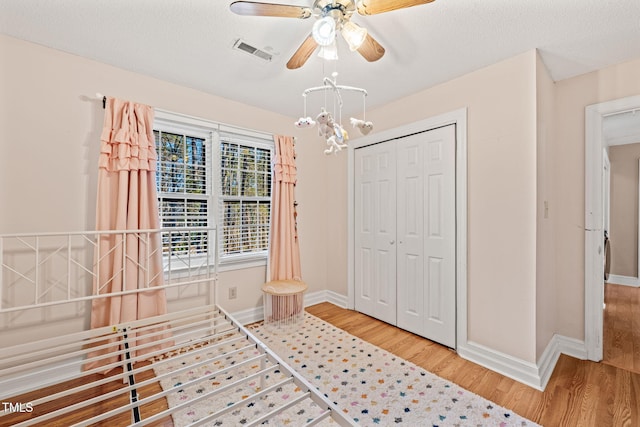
[(354, 35), (324, 31)]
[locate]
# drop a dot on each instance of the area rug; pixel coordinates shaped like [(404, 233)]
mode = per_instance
[(376, 387), (372, 386), (193, 372)]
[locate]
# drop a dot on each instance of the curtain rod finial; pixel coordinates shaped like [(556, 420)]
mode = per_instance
[(104, 99)]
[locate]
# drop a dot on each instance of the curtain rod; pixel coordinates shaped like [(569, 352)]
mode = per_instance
[(104, 99), (219, 125)]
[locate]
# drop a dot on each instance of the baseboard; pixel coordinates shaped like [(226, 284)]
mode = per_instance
[(55, 373), (572, 347), (250, 315), (504, 364), (256, 314), (558, 345), (534, 375), (624, 280), (336, 299), (547, 362)]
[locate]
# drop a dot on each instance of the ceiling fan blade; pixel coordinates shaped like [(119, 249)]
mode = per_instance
[(372, 7), (303, 53), (251, 8), (370, 49)]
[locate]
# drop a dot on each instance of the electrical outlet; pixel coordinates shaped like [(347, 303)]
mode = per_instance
[(233, 292)]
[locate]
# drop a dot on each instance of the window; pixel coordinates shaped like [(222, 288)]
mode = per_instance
[(184, 195), (209, 174), (246, 197)]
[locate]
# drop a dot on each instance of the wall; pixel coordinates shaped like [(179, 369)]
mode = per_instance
[(572, 97), (336, 247), (545, 248), (49, 132), (501, 102), (49, 127), (624, 209)]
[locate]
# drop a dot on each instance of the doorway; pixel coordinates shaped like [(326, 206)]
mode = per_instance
[(595, 144)]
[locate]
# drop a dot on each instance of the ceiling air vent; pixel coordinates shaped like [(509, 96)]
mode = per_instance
[(251, 50)]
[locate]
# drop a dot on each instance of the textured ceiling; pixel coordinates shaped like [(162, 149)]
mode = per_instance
[(189, 42)]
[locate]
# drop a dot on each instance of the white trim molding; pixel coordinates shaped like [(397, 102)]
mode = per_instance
[(535, 375), (614, 279), (325, 296), (594, 220), (43, 376), (509, 366), (256, 314)]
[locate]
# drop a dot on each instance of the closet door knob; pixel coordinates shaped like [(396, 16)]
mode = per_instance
[(392, 242)]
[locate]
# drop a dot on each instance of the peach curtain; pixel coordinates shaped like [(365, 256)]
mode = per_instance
[(284, 249), (127, 200)]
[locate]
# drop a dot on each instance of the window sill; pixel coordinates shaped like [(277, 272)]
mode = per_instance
[(239, 263), (180, 270)]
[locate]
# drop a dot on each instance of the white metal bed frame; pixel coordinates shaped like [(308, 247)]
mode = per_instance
[(194, 332)]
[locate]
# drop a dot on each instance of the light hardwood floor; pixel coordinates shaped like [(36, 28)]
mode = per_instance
[(93, 410), (621, 341), (579, 393)]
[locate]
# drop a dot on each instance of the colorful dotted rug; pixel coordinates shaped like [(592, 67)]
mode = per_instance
[(376, 387), (372, 386)]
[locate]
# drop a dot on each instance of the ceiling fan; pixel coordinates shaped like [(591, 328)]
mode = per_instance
[(332, 16)]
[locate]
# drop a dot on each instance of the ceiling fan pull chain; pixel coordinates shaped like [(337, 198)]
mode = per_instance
[(304, 95), (364, 107)]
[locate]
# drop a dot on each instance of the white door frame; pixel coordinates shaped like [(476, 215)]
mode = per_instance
[(459, 118), (606, 191), (594, 217)]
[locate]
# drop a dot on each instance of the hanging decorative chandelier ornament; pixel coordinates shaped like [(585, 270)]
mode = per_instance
[(329, 126)]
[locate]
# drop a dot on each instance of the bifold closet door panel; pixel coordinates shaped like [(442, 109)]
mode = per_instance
[(426, 234), (405, 233), (375, 234), (410, 233)]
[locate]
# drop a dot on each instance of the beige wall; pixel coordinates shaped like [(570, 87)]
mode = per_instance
[(523, 150), (49, 135), (50, 131), (501, 102), (546, 302), (525, 271), (572, 96), (624, 209)]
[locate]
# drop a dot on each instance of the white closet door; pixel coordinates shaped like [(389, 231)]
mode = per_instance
[(410, 232), (375, 219), (426, 235)]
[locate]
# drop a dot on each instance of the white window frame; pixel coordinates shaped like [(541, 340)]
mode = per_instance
[(212, 131), (247, 259)]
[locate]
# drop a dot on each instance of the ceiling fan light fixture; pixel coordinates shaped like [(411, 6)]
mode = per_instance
[(324, 31), (353, 34), (329, 52)]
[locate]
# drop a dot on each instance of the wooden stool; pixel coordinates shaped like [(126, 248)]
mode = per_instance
[(283, 302)]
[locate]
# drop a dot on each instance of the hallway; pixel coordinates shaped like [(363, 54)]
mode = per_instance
[(622, 327)]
